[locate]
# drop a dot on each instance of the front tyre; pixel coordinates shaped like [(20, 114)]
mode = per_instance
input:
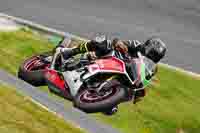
[(90, 101)]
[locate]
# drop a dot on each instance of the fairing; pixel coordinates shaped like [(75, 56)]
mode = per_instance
[(112, 64), (53, 77)]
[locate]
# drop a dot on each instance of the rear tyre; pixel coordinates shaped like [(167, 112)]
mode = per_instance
[(89, 101), (32, 70)]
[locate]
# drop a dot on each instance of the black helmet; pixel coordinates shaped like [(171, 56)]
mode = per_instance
[(154, 49)]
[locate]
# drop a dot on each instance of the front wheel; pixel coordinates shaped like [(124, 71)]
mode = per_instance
[(90, 101)]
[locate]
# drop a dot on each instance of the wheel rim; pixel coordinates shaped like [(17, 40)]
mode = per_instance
[(91, 96), (35, 64)]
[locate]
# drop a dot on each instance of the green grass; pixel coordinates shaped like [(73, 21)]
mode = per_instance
[(15, 47), (171, 106), (19, 115)]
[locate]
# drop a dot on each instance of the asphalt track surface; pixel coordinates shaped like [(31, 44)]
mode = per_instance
[(177, 22)]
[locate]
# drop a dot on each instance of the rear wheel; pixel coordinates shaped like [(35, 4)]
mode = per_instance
[(90, 101), (32, 70)]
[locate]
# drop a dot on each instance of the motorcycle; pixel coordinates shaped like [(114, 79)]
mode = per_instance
[(93, 86)]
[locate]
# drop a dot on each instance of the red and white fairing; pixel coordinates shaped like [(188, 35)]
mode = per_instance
[(108, 65), (112, 65)]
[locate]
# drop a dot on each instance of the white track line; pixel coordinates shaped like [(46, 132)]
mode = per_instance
[(38, 26), (190, 73), (61, 33)]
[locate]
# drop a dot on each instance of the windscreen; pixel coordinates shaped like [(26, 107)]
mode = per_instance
[(141, 71)]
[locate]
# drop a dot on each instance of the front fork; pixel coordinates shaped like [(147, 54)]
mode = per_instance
[(58, 51), (53, 62)]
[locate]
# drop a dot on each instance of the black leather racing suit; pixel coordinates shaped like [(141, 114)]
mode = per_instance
[(101, 47)]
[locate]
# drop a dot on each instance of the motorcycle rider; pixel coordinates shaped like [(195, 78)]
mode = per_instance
[(153, 48)]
